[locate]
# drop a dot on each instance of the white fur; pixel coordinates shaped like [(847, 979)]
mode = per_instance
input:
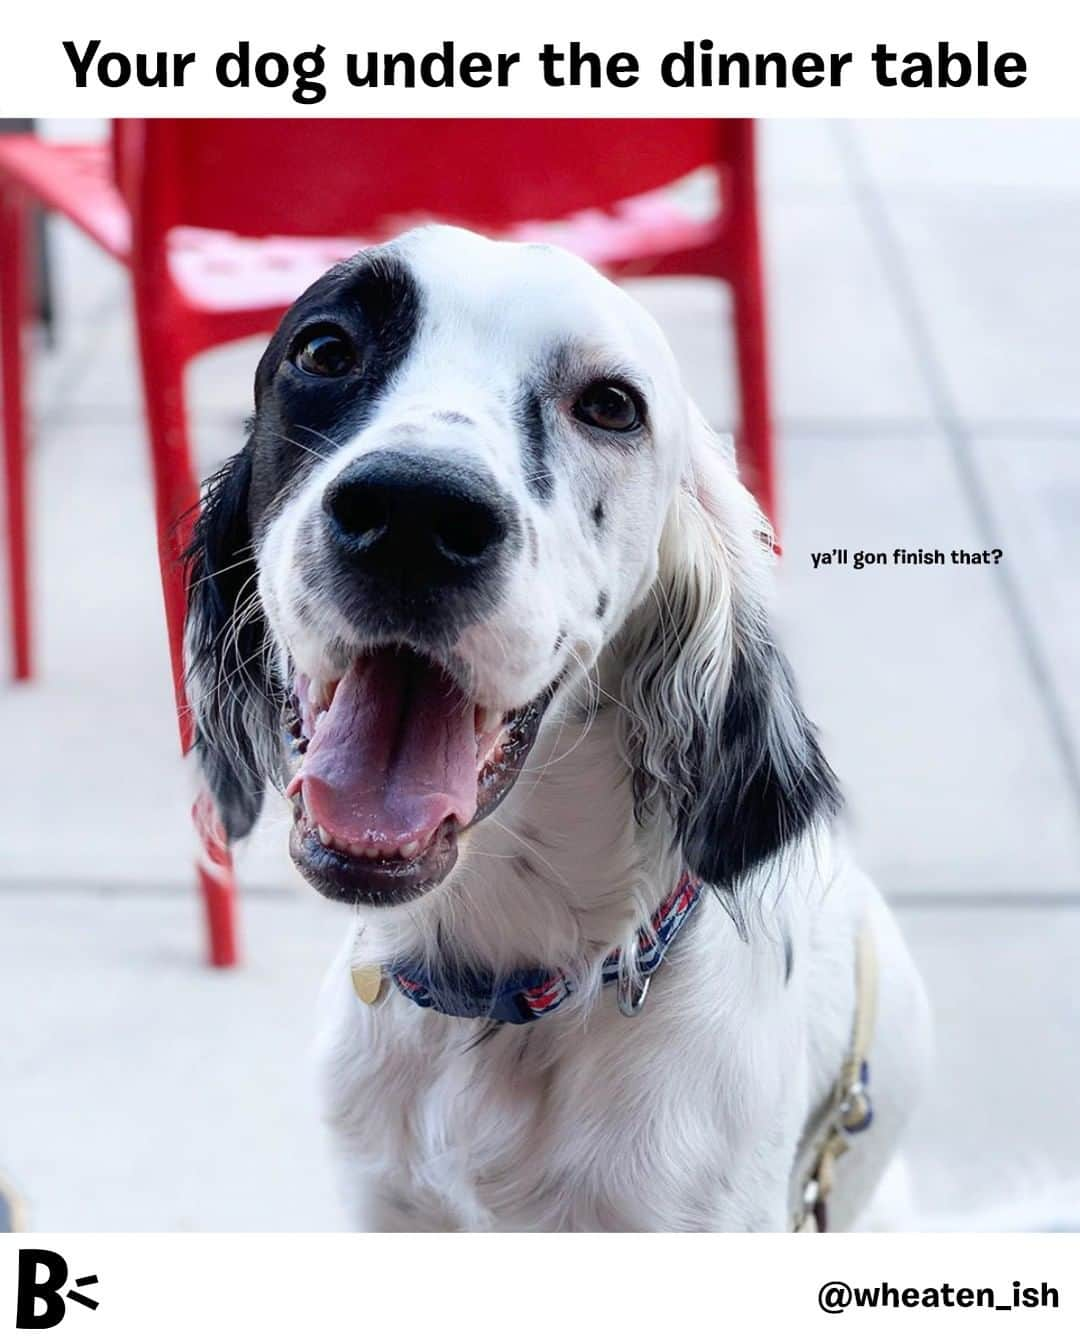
[(689, 1116)]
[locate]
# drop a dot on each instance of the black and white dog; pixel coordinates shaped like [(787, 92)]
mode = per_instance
[(484, 598)]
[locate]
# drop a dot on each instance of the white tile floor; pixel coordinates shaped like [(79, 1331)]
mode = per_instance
[(923, 285)]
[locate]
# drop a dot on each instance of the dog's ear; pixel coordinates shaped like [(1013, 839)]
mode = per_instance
[(233, 699), (715, 731)]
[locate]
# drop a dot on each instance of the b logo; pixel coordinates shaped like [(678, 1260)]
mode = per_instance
[(46, 1290)]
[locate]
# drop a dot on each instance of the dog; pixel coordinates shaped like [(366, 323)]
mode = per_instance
[(484, 599)]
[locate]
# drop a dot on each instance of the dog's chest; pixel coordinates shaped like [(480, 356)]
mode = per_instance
[(588, 1128), (452, 1137)]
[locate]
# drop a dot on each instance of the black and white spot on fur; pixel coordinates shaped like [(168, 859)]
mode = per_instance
[(385, 498), (396, 617)]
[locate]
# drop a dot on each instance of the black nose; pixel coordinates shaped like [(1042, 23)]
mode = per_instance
[(424, 520)]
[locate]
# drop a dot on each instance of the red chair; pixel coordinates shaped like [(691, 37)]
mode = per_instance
[(223, 223)]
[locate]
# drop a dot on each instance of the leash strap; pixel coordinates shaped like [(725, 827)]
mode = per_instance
[(526, 996), (850, 1110)]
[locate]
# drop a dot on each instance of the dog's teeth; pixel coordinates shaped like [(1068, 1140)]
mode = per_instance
[(488, 720), (366, 850), (320, 695)]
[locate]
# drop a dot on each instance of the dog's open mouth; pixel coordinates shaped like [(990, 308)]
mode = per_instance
[(395, 762)]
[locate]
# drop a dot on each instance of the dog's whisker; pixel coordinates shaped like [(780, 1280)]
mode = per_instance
[(284, 437), (303, 427), (221, 571)]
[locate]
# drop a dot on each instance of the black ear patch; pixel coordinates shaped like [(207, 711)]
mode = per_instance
[(234, 701), (738, 768), (757, 777)]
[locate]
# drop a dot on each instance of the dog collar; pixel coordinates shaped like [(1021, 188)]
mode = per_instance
[(527, 995)]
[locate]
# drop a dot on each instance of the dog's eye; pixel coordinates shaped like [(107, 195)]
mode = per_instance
[(325, 353), (605, 405)]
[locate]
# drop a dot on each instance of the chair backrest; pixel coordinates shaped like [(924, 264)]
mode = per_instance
[(327, 177)]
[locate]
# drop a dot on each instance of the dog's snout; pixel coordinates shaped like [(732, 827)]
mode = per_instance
[(403, 515)]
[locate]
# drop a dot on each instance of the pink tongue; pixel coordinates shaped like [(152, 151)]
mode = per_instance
[(394, 756)]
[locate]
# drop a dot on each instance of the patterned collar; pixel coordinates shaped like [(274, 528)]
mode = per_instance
[(528, 995)]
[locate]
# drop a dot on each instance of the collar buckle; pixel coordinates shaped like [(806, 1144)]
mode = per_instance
[(632, 1000), (532, 993)]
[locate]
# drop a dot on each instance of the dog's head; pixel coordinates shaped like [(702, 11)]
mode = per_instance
[(473, 476)]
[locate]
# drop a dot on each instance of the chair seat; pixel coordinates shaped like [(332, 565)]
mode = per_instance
[(73, 179), (220, 272)]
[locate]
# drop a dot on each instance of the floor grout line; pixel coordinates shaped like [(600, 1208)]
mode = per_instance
[(1004, 901), (44, 886), (957, 435), (995, 429), (943, 899)]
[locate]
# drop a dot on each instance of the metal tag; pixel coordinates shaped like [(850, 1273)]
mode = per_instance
[(368, 982)]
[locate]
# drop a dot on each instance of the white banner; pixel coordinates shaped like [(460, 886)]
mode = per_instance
[(121, 1286), (778, 57)]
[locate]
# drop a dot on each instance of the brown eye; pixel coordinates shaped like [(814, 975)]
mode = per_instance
[(326, 353), (607, 406)]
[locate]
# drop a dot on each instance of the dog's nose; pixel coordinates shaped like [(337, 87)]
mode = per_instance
[(433, 522)]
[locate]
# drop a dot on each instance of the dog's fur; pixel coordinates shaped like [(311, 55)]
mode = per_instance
[(634, 574)]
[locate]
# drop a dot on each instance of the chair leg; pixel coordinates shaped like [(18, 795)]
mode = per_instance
[(755, 440), (217, 884), (744, 269), (175, 497), (14, 296)]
